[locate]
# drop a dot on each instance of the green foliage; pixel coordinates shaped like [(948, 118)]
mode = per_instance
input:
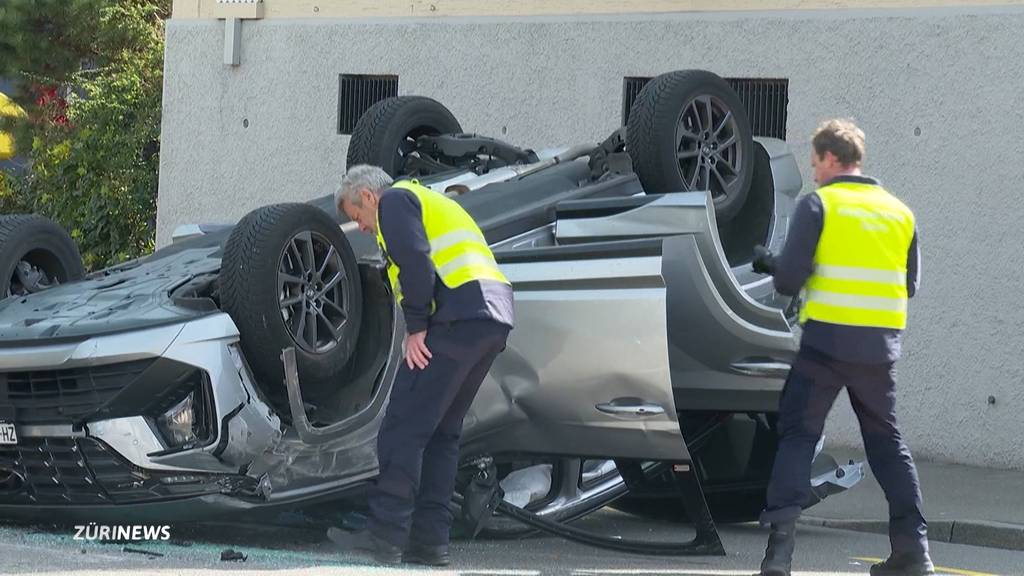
[(11, 198), (94, 153), (47, 38)]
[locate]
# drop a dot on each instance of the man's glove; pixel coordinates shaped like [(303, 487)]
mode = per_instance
[(764, 260)]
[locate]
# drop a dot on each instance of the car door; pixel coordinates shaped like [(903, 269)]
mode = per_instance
[(586, 370), (625, 308)]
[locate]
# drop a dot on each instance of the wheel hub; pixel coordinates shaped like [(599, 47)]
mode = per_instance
[(709, 147), (313, 294)]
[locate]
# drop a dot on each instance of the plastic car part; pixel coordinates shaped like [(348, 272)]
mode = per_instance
[(140, 551), (526, 485), (35, 254), (296, 408), (828, 477), (688, 131), (230, 555)]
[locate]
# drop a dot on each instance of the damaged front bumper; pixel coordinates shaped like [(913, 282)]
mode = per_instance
[(87, 438)]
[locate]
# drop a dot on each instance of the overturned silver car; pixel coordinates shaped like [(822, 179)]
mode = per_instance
[(246, 367)]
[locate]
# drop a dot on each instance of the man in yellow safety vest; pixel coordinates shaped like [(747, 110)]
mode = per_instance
[(458, 312), (852, 249)]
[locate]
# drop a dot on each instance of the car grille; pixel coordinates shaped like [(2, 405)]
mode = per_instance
[(65, 396), (77, 471)]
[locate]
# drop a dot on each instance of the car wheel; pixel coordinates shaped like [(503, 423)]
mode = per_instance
[(386, 134), (289, 278), (689, 131), (35, 254)]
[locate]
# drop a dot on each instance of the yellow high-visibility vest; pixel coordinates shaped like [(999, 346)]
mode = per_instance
[(8, 109), (458, 248), (860, 265)]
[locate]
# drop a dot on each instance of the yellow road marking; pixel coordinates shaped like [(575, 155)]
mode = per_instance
[(938, 569)]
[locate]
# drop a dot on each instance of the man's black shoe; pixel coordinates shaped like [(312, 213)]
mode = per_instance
[(778, 556), (904, 565), (364, 541), (426, 555)]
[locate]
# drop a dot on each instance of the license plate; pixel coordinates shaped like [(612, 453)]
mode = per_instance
[(7, 433)]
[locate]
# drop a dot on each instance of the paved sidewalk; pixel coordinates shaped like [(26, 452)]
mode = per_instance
[(962, 504)]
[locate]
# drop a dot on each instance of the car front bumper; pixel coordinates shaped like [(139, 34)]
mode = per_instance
[(63, 463)]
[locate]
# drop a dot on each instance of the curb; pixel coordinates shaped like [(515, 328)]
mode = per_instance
[(969, 532)]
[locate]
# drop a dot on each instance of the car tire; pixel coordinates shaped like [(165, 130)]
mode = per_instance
[(387, 130), (688, 130), (43, 245), (265, 269)]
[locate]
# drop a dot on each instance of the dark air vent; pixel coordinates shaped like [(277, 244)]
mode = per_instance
[(357, 92), (631, 87), (70, 472), (766, 99), (63, 396)]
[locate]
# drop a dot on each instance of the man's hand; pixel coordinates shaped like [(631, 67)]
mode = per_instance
[(764, 260), (416, 353)]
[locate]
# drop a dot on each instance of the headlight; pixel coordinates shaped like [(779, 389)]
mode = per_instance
[(178, 424), (188, 423)]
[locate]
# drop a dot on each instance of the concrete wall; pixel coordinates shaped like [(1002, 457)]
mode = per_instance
[(940, 93), (444, 8)]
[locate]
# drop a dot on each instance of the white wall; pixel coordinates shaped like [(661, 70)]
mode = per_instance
[(938, 91)]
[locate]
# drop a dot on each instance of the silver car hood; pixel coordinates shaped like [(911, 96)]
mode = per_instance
[(132, 296)]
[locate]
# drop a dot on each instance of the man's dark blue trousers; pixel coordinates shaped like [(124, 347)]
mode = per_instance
[(812, 386), (418, 443)]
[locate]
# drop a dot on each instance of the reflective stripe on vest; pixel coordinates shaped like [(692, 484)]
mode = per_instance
[(458, 248), (860, 265)]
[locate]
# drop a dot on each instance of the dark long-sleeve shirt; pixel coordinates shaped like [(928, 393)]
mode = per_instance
[(401, 224), (794, 266)]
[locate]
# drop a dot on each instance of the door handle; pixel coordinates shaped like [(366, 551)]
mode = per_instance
[(630, 407), (762, 368)]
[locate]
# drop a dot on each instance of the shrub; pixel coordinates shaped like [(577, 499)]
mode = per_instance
[(93, 132)]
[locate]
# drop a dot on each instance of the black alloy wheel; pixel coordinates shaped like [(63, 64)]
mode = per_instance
[(315, 299)]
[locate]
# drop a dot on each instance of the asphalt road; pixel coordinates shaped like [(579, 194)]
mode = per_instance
[(279, 551)]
